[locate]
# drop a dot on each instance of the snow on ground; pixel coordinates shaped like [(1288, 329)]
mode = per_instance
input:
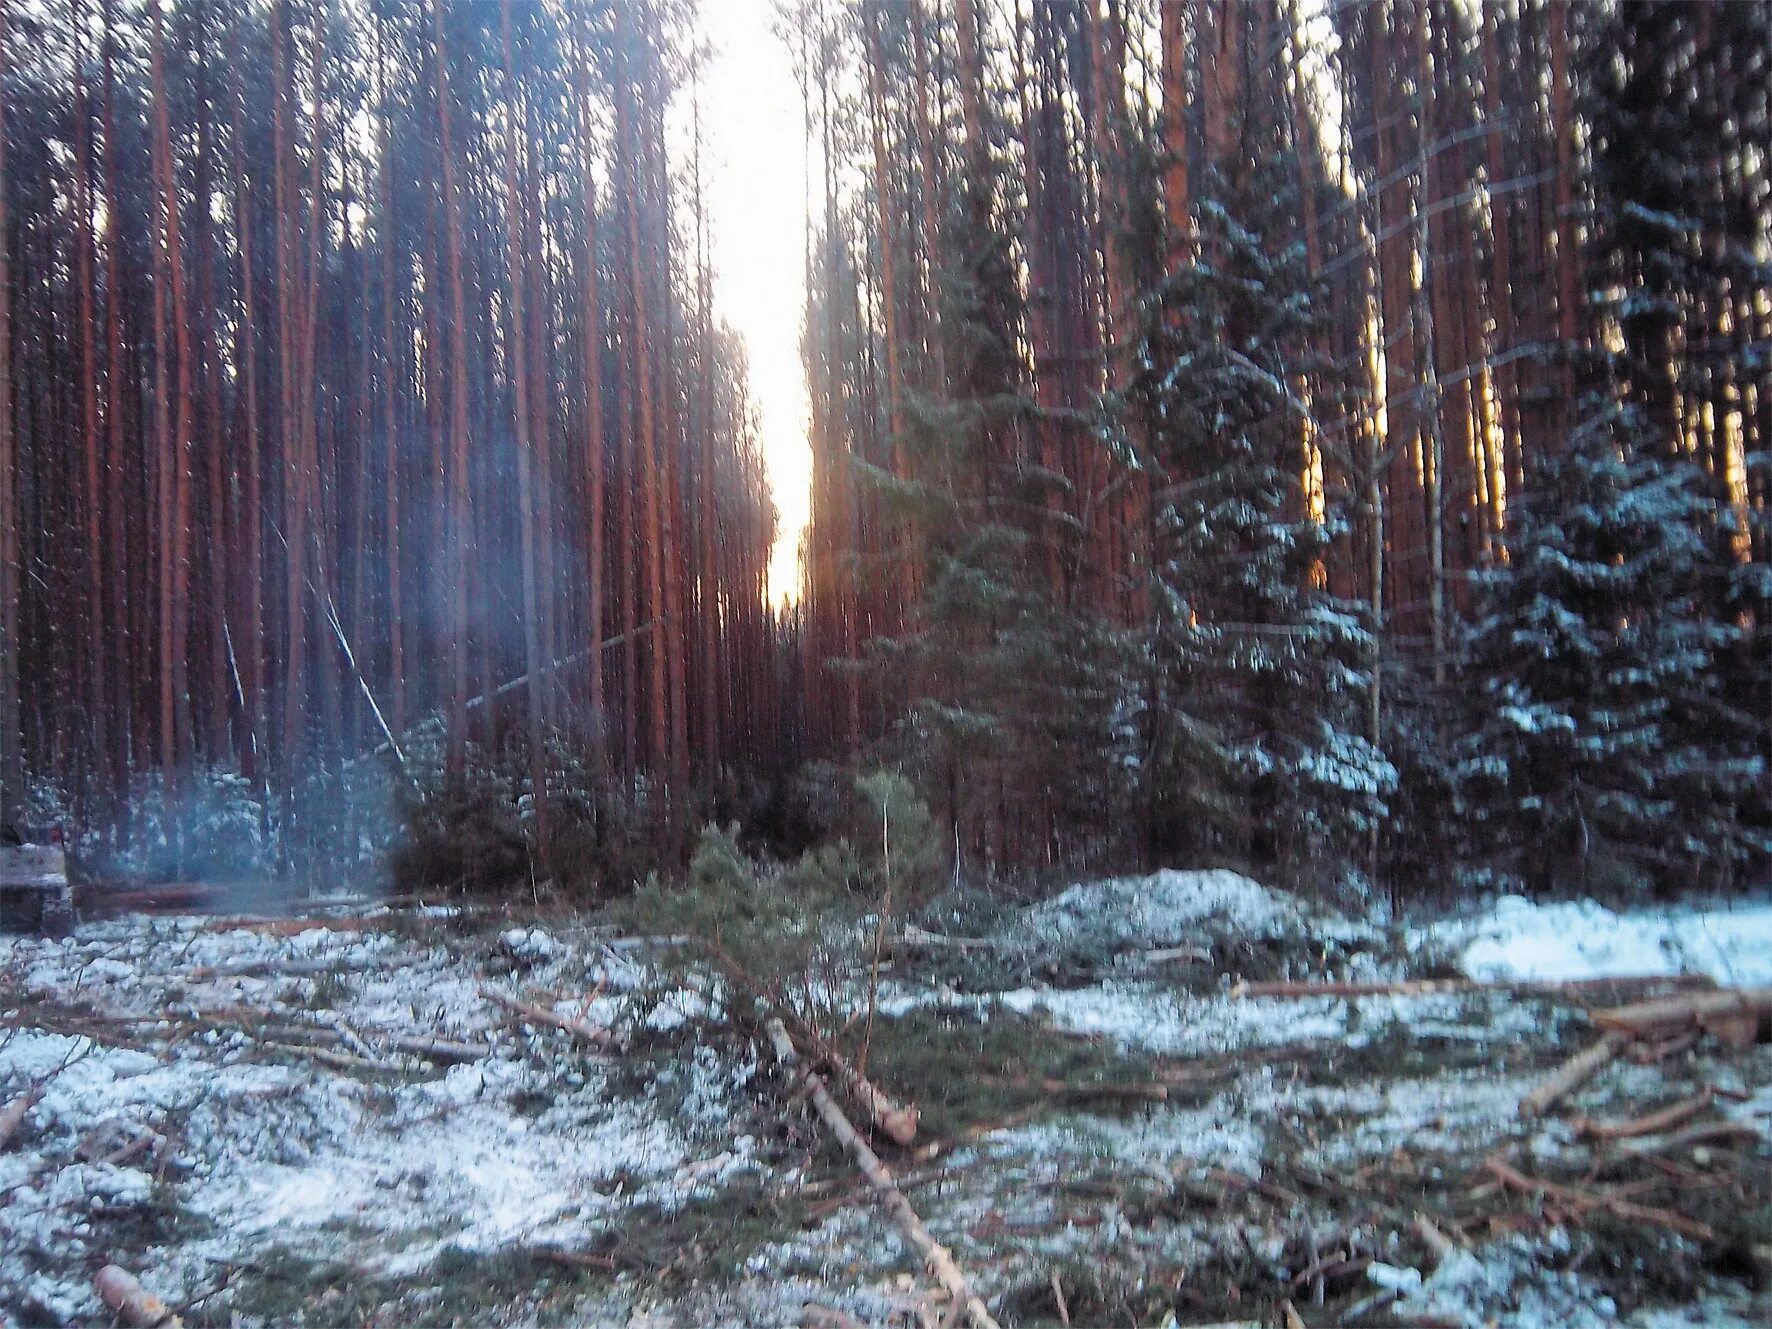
[(1516, 938), (1170, 907), (320, 1192)]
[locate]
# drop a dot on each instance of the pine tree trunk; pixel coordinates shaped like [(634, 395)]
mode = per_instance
[(12, 763)]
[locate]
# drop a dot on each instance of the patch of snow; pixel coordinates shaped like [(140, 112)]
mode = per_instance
[(1171, 906), (1517, 939)]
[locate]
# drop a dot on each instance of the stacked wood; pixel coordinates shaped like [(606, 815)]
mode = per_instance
[(892, 1199), (1736, 1017)]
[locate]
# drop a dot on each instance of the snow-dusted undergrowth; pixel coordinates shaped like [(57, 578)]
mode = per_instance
[(274, 1161)]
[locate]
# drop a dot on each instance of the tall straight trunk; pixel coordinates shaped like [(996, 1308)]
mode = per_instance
[(517, 367), (883, 197), (12, 760), (706, 511), (116, 544), (216, 526), (1563, 158), (551, 599), (591, 319), (928, 200), (675, 629), (392, 359), (249, 642), (460, 532), (1506, 465), (1177, 202), (289, 434), (97, 692), (978, 152), (175, 461), (628, 90)]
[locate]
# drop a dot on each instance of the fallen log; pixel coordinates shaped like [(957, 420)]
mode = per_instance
[(595, 1035), (13, 1115), (1430, 987), (918, 938), (939, 1261), (1571, 1075), (898, 1122), (1578, 1199), (267, 969), (294, 927), (341, 1061), (437, 1049), (1653, 1123), (1710, 1132), (130, 1302), (1737, 1016)]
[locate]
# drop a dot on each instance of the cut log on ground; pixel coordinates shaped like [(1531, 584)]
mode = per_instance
[(936, 1256), (1737, 1016), (14, 1113), (130, 1302), (437, 1049), (1431, 987), (1571, 1075), (595, 1035), (899, 1123)]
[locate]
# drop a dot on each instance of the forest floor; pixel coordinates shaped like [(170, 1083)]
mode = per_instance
[(269, 1126)]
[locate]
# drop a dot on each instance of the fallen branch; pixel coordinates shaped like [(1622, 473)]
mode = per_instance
[(1654, 1123), (580, 1029), (1146, 1091), (1575, 1197), (940, 1263), (1710, 1132), (1192, 954), (574, 1259), (130, 1302), (1571, 1075), (343, 1061)]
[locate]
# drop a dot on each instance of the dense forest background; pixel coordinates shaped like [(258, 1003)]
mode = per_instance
[(1327, 439)]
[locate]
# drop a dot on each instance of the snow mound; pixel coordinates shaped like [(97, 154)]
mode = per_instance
[(1170, 906), (1517, 939)]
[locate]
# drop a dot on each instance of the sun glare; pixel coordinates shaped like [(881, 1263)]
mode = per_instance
[(752, 122)]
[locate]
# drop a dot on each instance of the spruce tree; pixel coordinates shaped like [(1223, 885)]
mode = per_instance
[(1593, 761), (1258, 672)]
